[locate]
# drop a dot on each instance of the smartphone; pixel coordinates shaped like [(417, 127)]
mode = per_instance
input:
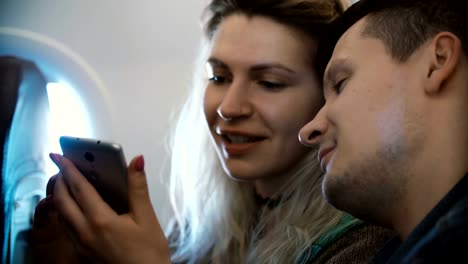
[(103, 164)]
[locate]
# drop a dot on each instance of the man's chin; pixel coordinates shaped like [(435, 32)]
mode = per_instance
[(344, 194), (329, 189), (336, 191)]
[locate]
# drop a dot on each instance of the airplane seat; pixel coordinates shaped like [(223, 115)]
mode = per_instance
[(24, 111)]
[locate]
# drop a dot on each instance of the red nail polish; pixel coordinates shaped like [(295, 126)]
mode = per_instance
[(140, 163)]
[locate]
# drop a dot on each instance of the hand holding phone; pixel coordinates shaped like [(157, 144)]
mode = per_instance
[(103, 164), (98, 227)]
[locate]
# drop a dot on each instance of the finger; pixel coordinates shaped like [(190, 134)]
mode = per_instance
[(42, 210), (44, 229), (71, 234), (68, 208), (51, 245), (81, 189), (50, 185), (51, 232), (138, 194)]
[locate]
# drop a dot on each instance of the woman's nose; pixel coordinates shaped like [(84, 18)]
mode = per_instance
[(235, 104)]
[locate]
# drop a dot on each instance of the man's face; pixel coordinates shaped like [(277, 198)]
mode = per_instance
[(367, 128)]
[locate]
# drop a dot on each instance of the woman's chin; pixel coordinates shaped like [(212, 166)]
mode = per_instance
[(239, 177)]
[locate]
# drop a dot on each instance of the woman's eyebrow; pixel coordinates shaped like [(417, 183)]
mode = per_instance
[(257, 68), (269, 66), (214, 62)]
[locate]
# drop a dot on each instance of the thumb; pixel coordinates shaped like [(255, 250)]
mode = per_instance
[(138, 194)]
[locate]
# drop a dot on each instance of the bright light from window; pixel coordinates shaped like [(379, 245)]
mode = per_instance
[(68, 116)]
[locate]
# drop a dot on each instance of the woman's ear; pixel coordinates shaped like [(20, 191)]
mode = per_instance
[(445, 51)]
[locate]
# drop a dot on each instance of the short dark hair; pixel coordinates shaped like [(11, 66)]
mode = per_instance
[(404, 25)]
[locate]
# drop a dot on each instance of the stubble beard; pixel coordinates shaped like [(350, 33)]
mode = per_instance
[(370, 188)]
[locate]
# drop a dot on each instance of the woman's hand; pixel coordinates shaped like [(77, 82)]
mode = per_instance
[(135, 237), (50, 241)]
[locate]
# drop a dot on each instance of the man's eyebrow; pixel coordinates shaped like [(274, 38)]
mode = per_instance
[(335, 67)]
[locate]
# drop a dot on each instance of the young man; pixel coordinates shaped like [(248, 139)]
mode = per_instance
[(393, 134)]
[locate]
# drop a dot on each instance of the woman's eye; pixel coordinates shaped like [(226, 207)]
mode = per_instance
[(271, 85), (339, 86), (217, 79)]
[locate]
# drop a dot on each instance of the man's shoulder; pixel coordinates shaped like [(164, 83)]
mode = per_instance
[(447, 240), (456, 217), (442, 237)]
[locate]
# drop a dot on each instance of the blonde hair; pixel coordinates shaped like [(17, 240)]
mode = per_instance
[(216, 219)]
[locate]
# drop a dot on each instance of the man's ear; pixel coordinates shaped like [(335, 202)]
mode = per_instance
[(445, 50)]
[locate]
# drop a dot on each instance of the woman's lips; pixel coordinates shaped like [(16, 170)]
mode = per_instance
[(238, 142), (235, 149)]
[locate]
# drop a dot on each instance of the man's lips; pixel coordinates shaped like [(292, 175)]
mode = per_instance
[(323, 157)]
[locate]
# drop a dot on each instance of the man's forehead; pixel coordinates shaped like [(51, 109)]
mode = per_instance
[(351, 36), (342, 58)]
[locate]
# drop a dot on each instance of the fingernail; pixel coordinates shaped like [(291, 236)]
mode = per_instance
[(140, 163), (55, 158)]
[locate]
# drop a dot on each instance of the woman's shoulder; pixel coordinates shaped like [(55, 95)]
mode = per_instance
[(356, 245)]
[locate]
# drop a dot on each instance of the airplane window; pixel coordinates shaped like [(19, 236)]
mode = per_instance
[(60, 94), (68, 116)]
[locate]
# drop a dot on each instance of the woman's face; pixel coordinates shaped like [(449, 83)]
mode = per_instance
[(261, 90)]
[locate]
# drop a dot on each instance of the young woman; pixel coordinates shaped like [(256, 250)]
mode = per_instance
[(243, 188)]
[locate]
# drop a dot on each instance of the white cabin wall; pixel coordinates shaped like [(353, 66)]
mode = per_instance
[(142, 50)]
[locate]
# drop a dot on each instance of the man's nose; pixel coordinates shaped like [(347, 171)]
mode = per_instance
[(312, 133)]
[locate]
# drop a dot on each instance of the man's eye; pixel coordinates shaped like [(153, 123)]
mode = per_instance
[(339, 86), (271, 85), (217, 79)]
